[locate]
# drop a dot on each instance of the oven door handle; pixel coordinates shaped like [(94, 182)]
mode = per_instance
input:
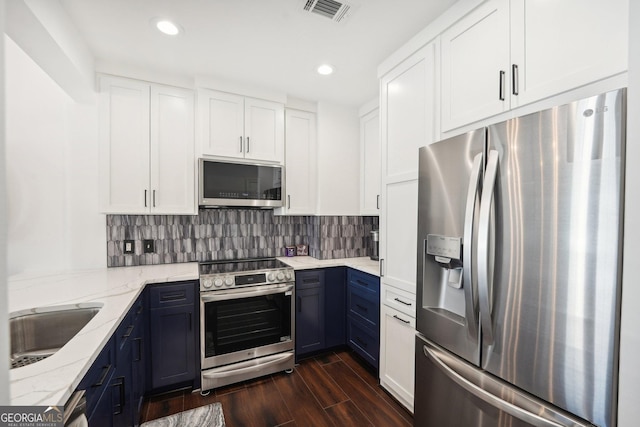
[(244, 293), (249, 366)]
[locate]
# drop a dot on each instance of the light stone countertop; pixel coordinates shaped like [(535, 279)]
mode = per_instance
[(365, 264), (51, 381)]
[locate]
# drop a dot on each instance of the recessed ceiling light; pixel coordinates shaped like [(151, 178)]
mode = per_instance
[(325, 69), (167, 27)]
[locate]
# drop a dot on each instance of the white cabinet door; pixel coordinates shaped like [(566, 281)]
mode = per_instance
[(370, 164), (399, 230), (221, 124), (397, 357), (300, 169), (475, 66), (124, 145), (559, 45), (172, 151), (407, 114), (263, 130)]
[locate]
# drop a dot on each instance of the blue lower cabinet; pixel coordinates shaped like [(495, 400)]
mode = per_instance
[(310, 306), (335, 281), (363, 315), (173, 327)]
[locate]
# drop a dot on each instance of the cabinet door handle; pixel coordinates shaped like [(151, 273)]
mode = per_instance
[(120, 404), (381, 269), (514, 79), (154, 198), (288, 201), (402, 302), (248, 144), (145, 198), (501, 94), (377, 201), (241, 144), (103, 377), (402, 320), (139, 341)]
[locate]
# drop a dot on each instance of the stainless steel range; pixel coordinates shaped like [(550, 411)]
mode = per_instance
[(247, 323)]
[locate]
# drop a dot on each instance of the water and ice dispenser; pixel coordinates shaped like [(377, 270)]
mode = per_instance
[(447, 251)]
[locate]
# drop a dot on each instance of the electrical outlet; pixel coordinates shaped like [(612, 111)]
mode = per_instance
[(129, 247), (149, 246)]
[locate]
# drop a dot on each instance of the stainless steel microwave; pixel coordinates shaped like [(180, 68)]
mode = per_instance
[(223, 183)]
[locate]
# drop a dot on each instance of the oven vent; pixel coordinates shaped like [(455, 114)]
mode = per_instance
[(334, 10)]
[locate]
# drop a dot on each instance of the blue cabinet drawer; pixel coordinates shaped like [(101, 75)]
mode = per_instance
[(171, 295), (364, 340), (307, 279), (363, 304), (363, 280)]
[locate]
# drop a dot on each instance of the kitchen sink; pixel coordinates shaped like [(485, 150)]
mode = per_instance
[(38, 333)]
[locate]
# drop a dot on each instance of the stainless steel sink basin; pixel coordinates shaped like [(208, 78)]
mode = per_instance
[(38, 333)]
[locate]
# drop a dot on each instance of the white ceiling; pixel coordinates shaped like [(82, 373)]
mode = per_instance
[(264, 43)]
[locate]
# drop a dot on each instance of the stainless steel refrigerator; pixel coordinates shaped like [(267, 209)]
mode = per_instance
[(519, 267)]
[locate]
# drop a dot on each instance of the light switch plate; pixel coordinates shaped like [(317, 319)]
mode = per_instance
[(129, 247), (148, 246)]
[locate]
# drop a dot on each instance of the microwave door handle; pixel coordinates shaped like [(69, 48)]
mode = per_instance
[(242, 293)]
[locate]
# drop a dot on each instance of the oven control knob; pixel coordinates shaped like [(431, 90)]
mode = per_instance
[(217, 283), (207, 283), (271, 277), (228, 281), (287, 274), (280, 275)]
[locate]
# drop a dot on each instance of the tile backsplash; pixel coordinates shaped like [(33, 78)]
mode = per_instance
[(219, 234)]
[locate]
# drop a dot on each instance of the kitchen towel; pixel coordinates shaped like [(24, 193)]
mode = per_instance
[(209, 415)]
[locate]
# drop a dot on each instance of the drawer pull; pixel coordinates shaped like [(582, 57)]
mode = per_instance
[(402, 320), (173, 297), (129, 332), (362, 342), (403, 302), (312, 280), (360, 282), (363, 308), (103, 377)]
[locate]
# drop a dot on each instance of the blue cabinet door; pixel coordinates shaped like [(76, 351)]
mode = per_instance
[(335, 280), (173, 328), (310, 305)]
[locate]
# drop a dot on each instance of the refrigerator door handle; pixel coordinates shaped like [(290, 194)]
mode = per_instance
[(485, 277), (471, 300), (484, 395)]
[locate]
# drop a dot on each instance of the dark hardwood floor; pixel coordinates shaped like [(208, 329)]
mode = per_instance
[(332, 389)]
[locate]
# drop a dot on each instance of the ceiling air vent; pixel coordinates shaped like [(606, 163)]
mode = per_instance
[(334, 10)]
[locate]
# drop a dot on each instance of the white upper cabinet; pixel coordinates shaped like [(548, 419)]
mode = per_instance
[(238, 127), (172, 150), (370, 163), (559, 45), (146, 148), (508, 53), (300, 170), (407, 114), (475, 57)]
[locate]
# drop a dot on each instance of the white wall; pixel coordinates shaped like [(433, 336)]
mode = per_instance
[(629, 397), (52, 178), (338, 160), (4, 327)]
